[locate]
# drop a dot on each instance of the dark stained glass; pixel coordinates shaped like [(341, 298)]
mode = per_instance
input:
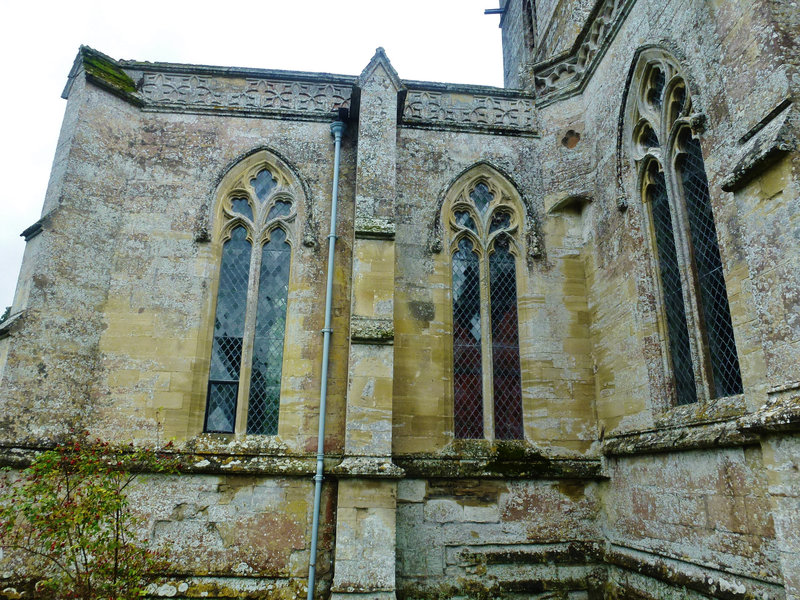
[(265, 380), (678, 103), (464, 219), (467, 356), (649, 137), (500, 220), (280, 209), (482, 197), (657, 82), (226, 351), (263, 184), (727, 379), (507, 385), (672, 289), (242, 206)]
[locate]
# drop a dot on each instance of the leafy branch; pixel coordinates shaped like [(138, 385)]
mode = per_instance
[(66, 523)]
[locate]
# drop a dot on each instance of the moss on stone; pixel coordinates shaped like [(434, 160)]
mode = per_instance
[(106, 70)]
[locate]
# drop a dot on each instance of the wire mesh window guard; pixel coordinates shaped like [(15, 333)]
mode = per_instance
[(486, 362), (507, 385), (671, 288), (265, 378), (264, 299), (716, 312), (689, 262), (467, 355), (226, 351)]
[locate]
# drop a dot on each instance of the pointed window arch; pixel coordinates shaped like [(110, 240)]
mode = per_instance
[(696, 313), (485, 219), (255, 220)]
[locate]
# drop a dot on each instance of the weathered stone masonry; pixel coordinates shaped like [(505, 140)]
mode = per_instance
[(615, 491)]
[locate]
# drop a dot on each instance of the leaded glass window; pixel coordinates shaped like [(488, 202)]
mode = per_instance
[(255, 221), (487, 387), (700, 340), (726, 379)]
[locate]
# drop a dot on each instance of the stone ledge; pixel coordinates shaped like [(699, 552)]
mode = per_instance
[(206, 463), (379, 228), (365, 330), (498, 460), (688, 575), (768, 144), (777, 415), (369, 467), (10, 323), (571, 552), (31, 232), (690, 437)]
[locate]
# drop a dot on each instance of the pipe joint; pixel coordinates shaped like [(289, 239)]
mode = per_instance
[(337, 129)]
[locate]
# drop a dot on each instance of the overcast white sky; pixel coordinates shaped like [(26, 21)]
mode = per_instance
[(432, 40)]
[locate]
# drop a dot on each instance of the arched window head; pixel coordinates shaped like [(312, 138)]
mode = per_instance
[(254, 229), (485, 218), (701, 350)]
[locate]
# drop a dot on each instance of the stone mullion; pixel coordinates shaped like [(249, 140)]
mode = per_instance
[(486, 342), (247, 339)]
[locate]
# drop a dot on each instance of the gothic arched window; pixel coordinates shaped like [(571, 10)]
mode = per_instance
[(697, 320), (484, 223), (255, 223)]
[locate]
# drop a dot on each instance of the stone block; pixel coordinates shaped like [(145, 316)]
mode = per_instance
[(443, 511)]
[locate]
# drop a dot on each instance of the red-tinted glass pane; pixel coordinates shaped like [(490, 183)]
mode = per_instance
[(505, 343)]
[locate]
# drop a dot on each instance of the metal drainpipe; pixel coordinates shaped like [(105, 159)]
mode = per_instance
[(337, 129)]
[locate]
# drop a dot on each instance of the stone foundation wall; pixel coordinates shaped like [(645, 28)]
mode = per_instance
[(495, 538)]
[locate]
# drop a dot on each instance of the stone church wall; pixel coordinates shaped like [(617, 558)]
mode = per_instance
[(615, 492)]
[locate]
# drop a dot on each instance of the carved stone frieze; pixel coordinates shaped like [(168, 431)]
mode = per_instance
[(470, 110), (249, 94), (568, 70)]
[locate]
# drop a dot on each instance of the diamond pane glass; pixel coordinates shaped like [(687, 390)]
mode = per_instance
[(507, 384), (280, 209), (265, 380), (263, 184), (226, 351), (242, 207), (674, 307), (464, 219), (467, 356), (482, 197), (710, 279)]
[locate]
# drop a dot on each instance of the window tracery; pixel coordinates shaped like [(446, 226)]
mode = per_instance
[(695, 310), (485, 225), (255, 221)]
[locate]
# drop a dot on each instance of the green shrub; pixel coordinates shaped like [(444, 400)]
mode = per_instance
[(67, 518)]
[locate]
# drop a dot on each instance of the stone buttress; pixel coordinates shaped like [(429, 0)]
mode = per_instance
[(365, 527)]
